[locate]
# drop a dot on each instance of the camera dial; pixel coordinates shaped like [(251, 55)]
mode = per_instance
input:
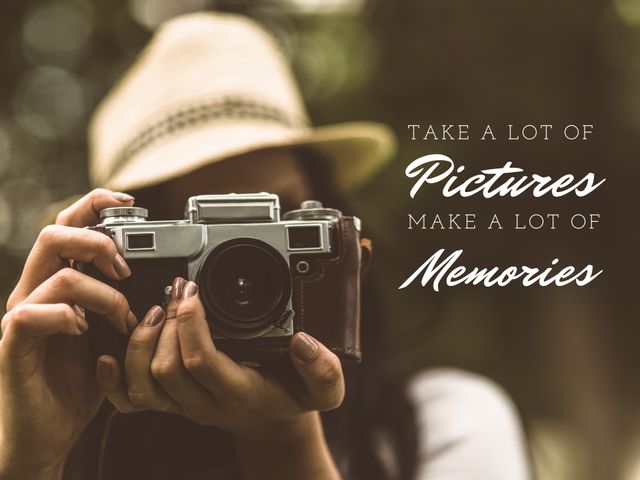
[(123, 215), (313, 210)]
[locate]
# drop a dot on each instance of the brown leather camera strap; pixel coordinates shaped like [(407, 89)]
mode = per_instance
[(366, 247)]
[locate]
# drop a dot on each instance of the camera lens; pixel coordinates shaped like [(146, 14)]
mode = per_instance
[(245, 285), (242, 292)]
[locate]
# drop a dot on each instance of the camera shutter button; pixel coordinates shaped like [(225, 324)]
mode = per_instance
[(313, 210), (310, 204)]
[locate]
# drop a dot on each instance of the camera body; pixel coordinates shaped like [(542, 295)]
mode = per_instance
[(261, 277)]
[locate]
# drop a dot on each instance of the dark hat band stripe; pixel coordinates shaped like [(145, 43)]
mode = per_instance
[(204, 112)]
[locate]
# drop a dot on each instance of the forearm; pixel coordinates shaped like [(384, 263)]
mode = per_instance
[(15, 472), (14, 468), (27, 463), (294, 449)]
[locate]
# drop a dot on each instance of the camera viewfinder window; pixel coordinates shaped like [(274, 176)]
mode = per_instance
[(140, 241), (304, 237)]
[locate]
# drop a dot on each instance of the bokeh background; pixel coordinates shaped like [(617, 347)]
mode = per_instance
[(568, 356)]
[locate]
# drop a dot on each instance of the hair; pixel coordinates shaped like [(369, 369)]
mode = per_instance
[(373, 434)]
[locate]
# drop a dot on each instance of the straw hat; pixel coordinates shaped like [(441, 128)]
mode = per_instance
[(210, 86)]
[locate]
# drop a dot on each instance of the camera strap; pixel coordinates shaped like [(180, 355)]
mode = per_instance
[(366, 249)]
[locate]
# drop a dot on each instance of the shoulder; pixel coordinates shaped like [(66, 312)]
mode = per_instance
[(468, 428)]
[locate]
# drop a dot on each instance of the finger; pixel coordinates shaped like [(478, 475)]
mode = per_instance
[(167, 367), (321, 371), (86, 211), (142, 389), (57, 244), (25, 325), (110, 381), (212, 369), (72, 287)]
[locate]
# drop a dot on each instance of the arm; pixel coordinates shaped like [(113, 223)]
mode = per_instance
[(12, 468), (298, 446)]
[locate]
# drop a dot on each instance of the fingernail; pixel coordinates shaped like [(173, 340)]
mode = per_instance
[(153, 317), (177, 288), (132, 321), (82, 324), (122, 197), (121, 266), (103, 370), (305, 347), (190, 290)]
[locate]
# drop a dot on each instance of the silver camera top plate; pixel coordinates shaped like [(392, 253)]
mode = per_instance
[(234, 208)]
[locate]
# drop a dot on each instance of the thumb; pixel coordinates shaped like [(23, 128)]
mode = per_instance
[(321, 371)]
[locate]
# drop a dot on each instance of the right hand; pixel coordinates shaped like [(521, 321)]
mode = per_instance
[(48, 389)]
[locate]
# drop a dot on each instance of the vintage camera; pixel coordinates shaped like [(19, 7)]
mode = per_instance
[(261, 278)]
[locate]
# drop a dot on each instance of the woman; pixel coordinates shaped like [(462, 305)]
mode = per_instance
[(210, 107)]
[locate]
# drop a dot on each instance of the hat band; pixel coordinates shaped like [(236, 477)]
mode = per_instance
[(204, 112)]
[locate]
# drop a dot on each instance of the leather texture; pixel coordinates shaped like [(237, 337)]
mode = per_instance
[(327, 302)]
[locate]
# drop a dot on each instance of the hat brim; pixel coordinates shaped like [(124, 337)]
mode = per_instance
[(355, 150)]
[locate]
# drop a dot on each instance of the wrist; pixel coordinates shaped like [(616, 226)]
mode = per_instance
[(285, 430), (13, 470), (301, 437), (19, 466)]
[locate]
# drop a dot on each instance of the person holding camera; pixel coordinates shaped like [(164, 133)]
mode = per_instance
[(210, 107)]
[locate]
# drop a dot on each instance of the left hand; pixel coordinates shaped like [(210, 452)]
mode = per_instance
[(172, 365)]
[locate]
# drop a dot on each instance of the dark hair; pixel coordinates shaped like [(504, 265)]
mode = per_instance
[(377, 417)]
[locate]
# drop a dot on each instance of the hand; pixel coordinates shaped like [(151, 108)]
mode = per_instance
[(172, 365), (48, 391)]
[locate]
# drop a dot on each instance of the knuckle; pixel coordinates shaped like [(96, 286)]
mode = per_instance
[(186, 313), (141, 398), (16, 319), (103, 243), (48, 233), (163, 370), (137, 344), (118, 302), (196, 363), (63, 279), (330, 373), (69, 315), (19, 315), (63, 216)]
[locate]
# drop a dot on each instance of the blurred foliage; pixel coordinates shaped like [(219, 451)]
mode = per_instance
[(567, 356)]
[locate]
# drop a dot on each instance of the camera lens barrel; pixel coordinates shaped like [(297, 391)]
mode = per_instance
[(245, 286)]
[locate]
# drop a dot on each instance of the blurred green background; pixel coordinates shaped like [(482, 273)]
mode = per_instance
[(568, 356)]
